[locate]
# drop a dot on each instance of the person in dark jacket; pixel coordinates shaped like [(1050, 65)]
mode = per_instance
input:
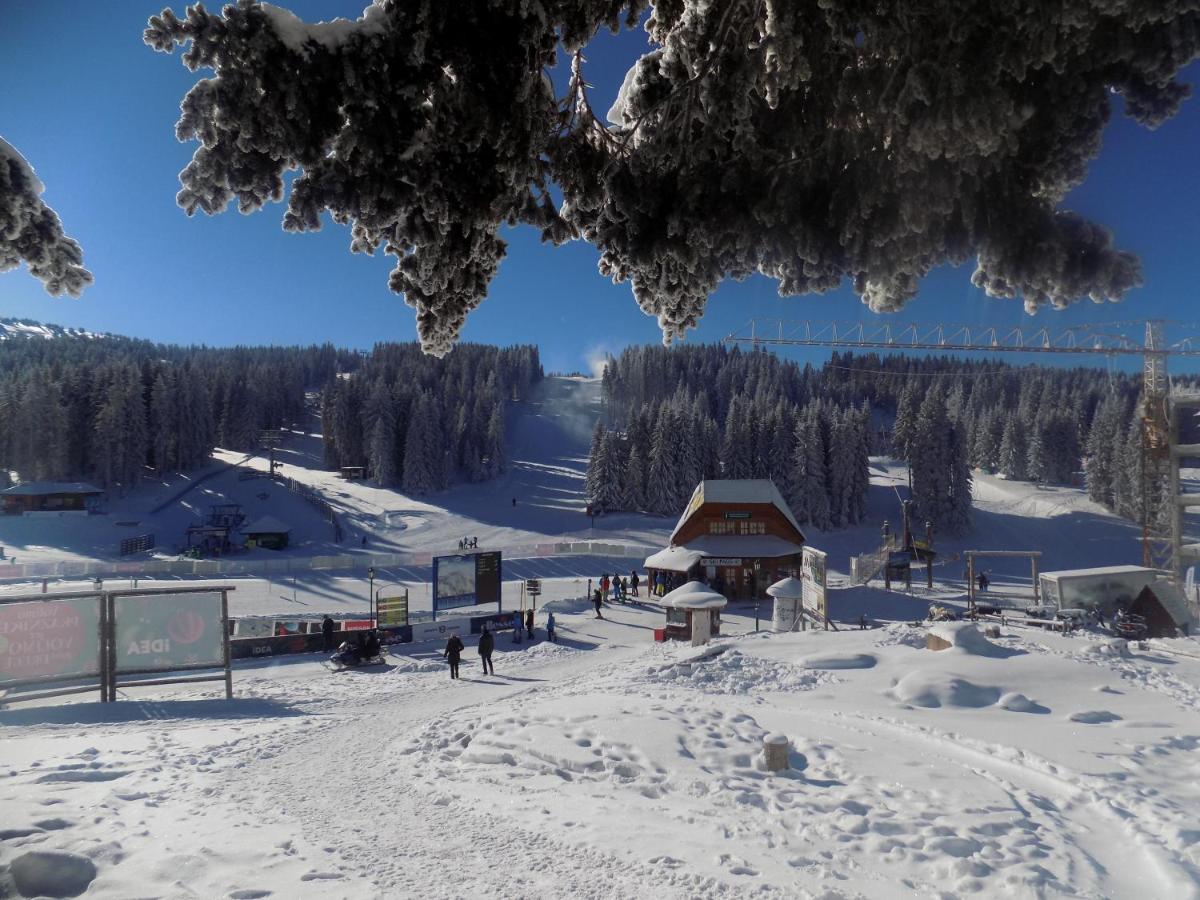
[(453, 652), (550, 627), (529, 622), (327, 634), (487, 643), (633, 582)]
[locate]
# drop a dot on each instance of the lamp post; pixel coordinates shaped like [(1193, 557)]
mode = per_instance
[(371, 593)]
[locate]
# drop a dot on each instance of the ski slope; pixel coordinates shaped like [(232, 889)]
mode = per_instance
[(1029, 765)]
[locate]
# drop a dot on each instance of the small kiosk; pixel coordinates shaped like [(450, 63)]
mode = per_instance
[(693, 613)]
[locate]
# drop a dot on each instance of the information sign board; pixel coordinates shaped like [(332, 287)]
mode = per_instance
[(812, 578), (467, 579), (533, 586), (392, 610)]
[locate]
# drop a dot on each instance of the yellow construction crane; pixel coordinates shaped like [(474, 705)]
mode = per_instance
[(1161, 450)]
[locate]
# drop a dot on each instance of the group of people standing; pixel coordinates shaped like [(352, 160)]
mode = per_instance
[(522, 624), (468, 543)]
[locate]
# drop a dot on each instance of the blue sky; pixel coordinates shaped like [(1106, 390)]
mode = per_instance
[(93, 109)]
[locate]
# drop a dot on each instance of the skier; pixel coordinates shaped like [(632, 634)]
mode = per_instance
[(514, 501), (453, 652), (633, 582), (982, 581), (487, 643), (550, 627), (529, 622), (327, 634), (596, 599)]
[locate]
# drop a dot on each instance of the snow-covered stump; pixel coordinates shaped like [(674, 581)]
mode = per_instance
[(775, 752)]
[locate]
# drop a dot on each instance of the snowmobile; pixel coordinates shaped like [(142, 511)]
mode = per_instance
[(1130, 627), (354, 656)]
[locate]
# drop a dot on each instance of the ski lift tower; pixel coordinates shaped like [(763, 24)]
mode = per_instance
[(1162, 541)]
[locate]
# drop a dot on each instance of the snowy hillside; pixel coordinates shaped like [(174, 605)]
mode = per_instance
[(12, 329)]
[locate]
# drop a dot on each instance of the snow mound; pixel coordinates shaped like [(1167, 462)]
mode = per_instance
[(47, 873), (841, 661), (1113, 647), (933, 690), (1017, 702), (567, 605), (1094, 717), (966, 638), (733, 672), (410, 665)]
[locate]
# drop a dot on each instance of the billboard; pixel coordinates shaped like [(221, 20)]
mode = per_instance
[(168, 631), (466, 579), (812, 577), (50, 638)]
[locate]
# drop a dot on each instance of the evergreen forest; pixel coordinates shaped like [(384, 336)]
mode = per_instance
[(110, 409), (677, 415)]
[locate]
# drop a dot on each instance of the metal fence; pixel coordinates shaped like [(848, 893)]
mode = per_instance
[(210, 568), (866, 566)]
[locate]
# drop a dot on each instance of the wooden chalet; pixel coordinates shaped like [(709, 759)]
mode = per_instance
[(49, 497), (738, 536)]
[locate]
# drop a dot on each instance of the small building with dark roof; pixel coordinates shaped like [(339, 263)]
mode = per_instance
[(35, 497), (268, 532)]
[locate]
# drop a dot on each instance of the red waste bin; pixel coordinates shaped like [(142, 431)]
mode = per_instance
[(660, 634)]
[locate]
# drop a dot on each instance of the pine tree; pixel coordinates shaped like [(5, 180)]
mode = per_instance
[(907, 412), (420, 475), (1014, 451), (633, 482)]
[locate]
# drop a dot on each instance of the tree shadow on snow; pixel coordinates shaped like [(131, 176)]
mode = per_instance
[(145, 711)]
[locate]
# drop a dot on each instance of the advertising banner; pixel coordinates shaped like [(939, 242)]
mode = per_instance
[(440, 631), (812, 577), (50, 637), (165, 631)]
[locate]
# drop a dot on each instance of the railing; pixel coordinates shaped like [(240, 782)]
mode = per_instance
[(205, 568)]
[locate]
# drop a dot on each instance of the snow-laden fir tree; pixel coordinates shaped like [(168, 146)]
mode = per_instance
[(811, 144), (31, 233), (1014, 450)]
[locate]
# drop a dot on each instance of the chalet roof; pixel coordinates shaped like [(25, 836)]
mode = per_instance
[(736, 490), (47, 488), (1100, 570), (673, 559), (266, 525)]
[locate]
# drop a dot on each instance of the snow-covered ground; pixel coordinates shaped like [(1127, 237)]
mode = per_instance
[(607, 765)]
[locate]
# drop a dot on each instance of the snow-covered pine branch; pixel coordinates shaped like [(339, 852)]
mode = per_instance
[(31, 232), (809, 143)]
